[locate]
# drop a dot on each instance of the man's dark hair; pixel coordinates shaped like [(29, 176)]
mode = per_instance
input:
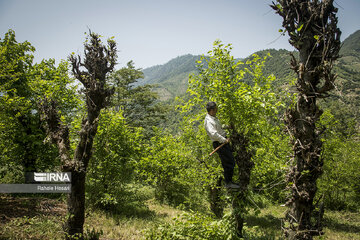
[(210, 105)]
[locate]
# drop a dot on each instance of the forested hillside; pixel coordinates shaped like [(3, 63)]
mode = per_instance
[(348, 70), (172, 77)]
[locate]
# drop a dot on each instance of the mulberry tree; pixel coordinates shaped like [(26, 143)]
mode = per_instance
[(312, 28)]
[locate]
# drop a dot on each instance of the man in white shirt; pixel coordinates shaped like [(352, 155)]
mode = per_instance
[(218, 136)]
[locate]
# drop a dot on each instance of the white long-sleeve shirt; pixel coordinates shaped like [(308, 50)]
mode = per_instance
[(214, 129)]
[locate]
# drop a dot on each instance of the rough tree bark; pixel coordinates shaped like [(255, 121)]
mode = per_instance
[(99, 61), (216, 205), (29, 159), (313, 31), (243, 160)]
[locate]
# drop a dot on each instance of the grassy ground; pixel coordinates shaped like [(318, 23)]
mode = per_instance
[(338, 225), (130, 227), (29, 218), (41, 218)]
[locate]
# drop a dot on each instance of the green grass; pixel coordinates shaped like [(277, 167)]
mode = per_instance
[(41, 218), (266, 225), (117, 226), (342, 225)]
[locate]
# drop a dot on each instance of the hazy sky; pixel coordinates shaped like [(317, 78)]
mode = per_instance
[(151, 32)]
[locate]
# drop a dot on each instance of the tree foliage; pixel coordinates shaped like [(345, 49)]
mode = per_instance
[(249, 108), (18, 123), (339, 185), (170, 167), (139, 104), (22, 83), (117, 149)]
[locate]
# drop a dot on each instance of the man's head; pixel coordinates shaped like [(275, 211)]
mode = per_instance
[(211, 108)]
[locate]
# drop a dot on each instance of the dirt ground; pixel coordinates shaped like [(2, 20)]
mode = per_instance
[(14, 207)]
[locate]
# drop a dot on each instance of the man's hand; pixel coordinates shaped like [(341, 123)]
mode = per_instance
[(226, 126), (227, 140)]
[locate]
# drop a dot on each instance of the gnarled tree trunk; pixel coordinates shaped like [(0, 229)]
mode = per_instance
[(99, 61), (216, 205), (312, 27), (243, 160)]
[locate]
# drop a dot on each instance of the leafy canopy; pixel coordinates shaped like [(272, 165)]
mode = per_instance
[(246, 106)]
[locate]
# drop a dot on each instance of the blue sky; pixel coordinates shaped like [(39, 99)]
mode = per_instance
[(152, 32)]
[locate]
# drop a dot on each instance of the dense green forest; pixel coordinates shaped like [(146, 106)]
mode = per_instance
[(150, 154)]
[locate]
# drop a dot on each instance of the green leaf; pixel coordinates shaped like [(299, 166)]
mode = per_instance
[(299, 28)]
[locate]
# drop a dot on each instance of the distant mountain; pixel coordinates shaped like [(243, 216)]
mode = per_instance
[(351, 45), (348, 81), (172, 77), (278, 64)]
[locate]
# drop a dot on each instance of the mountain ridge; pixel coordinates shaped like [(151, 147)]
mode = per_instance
[(171, 78)]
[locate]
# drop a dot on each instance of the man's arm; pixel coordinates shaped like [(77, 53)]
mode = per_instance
[(210, 128)]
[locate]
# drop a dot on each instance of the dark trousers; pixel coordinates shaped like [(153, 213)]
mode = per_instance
[(227, 160)]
